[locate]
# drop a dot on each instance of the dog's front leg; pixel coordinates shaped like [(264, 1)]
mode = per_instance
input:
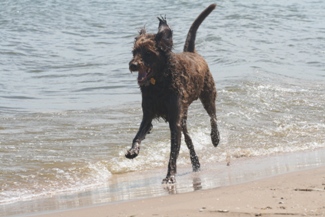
[(175, 133), (144, 129), (175, 138)]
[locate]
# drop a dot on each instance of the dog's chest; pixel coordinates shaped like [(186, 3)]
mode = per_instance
[(156, 101)]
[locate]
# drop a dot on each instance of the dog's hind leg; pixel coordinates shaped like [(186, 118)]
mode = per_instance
[(194, 159), (144, 129), (208, 98)]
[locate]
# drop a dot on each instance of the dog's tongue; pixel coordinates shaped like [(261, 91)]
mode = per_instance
[(141, 76)]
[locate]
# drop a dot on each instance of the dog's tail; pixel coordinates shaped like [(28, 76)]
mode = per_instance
[(190, 39)]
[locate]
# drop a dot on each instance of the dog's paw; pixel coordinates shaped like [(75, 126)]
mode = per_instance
[(169, 180), (196, 168), (195, 163), (133, 152), (215, 137)]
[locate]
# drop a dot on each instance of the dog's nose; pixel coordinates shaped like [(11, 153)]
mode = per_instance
[(133, 66)]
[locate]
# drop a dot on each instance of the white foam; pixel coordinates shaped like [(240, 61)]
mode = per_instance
[(69, 181)]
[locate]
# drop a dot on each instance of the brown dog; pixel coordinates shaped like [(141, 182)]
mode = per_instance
[(169, 83)]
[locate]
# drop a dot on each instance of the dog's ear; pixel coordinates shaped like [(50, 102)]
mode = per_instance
[(142, 31), (164, 37)]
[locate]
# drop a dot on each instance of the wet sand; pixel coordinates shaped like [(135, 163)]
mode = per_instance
[(293, 194), (280, 185)]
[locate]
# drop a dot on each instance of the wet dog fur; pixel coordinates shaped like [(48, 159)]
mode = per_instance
[(169, 83)]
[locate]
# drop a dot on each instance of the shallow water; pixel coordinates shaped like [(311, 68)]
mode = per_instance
[(135, 185), (69, 107)]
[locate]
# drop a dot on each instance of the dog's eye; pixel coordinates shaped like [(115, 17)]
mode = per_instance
[(147, 56), (147, 53)]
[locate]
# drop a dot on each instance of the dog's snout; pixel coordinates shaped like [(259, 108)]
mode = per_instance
[(133, 66)]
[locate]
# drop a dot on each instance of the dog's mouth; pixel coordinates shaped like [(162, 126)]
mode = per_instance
[(144, 76)]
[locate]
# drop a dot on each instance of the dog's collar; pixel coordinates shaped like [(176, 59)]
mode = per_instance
[(152, 81)]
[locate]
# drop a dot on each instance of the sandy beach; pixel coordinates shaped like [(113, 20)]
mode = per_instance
[(291, 184), (299, 193)]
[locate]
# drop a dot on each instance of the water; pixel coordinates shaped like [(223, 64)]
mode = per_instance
[(69, 107)]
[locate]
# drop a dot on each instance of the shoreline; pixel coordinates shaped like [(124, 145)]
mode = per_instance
[(287, 194), (133, 189)]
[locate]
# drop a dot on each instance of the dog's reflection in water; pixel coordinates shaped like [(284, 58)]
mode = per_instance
[(196, 183)]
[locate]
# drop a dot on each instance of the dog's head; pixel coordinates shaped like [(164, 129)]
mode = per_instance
[(150, 51)]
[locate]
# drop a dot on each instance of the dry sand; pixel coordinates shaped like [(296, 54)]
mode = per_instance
[(293, 194)]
